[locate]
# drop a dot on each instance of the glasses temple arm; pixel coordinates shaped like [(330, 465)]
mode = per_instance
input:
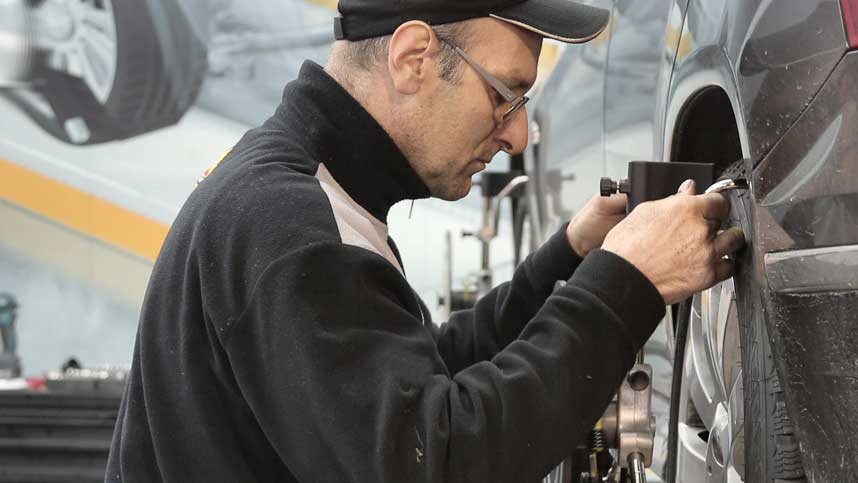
[(505, 91)]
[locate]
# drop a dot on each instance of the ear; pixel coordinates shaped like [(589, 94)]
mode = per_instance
[(412, 56)]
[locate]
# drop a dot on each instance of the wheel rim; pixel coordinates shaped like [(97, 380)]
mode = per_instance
[(711, 421), (15, 48), (80, 38)]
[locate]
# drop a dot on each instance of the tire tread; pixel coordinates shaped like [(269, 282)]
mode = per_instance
[(772, 453)]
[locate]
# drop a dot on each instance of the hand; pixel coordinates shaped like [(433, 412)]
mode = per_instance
[(675, 242), (588, 227)]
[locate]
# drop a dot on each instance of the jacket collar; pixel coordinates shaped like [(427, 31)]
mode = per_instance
[(340, 133)]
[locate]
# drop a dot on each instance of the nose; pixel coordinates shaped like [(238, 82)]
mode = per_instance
[(511, 134)]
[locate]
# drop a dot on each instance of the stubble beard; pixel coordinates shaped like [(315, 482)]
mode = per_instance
[(453, 189)]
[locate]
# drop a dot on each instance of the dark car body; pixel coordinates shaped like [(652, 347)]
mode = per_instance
[(717, 81)]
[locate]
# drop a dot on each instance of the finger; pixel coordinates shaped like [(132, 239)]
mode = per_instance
[(714, 206), (729, 242), (688, 187), (724, 269), (612, 205), (714, 226)]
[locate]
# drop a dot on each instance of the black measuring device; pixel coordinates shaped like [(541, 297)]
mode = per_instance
[(654, 180)]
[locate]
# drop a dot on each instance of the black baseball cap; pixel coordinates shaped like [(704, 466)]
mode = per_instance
[(563, 20)]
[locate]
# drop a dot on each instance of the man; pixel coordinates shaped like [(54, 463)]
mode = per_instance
[(280, 340)]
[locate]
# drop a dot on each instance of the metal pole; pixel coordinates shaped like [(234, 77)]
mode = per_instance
[(448, 275), (637, 473), (484, 285)]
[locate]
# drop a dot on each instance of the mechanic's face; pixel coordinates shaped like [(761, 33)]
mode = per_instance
[(462, 127)]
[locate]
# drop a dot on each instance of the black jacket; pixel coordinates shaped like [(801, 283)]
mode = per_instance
[(280, 341)]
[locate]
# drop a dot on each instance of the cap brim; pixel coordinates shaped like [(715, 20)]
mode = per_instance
[(563, 20)]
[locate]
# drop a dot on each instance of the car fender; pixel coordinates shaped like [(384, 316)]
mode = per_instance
[(773, 83)]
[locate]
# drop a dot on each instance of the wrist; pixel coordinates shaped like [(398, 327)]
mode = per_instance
[(578, 246)]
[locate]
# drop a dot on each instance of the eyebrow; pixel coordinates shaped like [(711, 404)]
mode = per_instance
[(515, 82)]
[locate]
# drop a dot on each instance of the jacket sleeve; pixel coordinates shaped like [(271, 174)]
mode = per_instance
[(477, 334), (348, 385)]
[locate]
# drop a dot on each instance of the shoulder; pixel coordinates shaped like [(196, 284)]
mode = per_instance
[(269, 198)]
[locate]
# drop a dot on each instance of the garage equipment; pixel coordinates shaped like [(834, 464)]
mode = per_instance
[(648, 180), (654, 180), (10, 363), (628, 425), (495, 187), (630, 419), (728, 184), (56, 436)]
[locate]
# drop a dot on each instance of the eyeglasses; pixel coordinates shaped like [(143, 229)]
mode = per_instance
[(515, 102)]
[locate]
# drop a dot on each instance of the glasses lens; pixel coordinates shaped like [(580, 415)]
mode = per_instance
[(516, 105)]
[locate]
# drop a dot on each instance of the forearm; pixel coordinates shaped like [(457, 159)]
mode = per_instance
[(477, 334)]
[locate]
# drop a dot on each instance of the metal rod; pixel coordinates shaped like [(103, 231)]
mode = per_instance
[(494, 207), (484, 284), (637, 473), (594, 467), (448, 275)]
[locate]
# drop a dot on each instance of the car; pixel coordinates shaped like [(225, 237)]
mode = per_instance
[(765, 379), (92, 71), (95, 71)]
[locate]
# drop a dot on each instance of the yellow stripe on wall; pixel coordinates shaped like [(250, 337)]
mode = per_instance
[(332, 4), (81, 211)]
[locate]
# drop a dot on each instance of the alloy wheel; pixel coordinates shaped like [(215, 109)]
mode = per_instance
[(79, 37), (711, 423)]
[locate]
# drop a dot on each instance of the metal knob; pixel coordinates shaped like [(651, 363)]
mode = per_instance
[(607, 186)]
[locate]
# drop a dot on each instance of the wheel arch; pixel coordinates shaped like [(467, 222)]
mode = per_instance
[(706, 130), (703, 80)]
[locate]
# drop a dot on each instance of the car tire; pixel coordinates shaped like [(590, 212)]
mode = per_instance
[(771, 452), (160, 63), (771, 447)]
